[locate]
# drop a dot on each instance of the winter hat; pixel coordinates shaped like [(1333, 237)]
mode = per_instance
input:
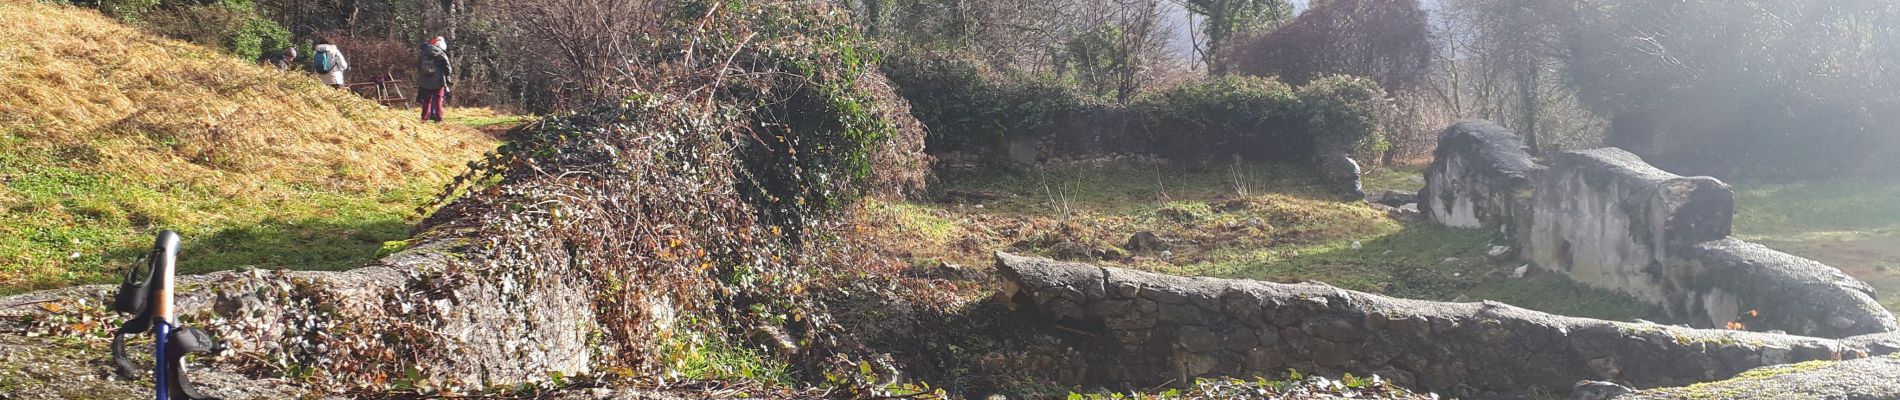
[(439, 43)]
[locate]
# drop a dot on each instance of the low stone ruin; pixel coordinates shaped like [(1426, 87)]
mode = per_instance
[(1605, 218), (1143, 329)]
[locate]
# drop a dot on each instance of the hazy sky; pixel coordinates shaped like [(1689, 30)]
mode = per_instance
[(1182, 41)]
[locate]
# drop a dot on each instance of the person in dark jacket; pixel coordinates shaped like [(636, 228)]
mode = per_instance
[(434, 79), (283, 60)]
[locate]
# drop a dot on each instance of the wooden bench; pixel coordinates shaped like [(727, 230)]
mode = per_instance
[(384, 89)]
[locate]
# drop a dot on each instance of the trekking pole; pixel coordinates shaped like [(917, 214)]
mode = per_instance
[(150, 303)]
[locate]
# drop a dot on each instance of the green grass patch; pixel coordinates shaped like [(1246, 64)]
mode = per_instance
[(693, 356), (68, 226), (1743, 385), (911, 216), (1850, 224), (1393, 178), (483, 119), (1553, 293), (1264, 222)]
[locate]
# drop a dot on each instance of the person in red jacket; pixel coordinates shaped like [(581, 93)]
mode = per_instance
[(434, 79)]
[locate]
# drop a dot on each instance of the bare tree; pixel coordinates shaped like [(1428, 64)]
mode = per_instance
[(1222, 20), (575, 50), (1500, 60)]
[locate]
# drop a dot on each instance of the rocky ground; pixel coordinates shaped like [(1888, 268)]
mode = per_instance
[(1869, 378)]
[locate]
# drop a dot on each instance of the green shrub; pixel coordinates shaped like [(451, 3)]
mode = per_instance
[(255, 37), (1261, 119), (966, 107), (1217, 118), (1345, 110), (233, 25), (969, 108), (814, 124)]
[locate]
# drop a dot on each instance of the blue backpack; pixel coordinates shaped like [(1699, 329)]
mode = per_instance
[(323, 63)]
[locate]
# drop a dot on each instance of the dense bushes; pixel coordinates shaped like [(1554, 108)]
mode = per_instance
[(1262, 119), (232, 25), (711, 192), (256, 37), (966, 107)]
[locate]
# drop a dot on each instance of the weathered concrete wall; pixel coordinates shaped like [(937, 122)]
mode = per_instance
[(1145, 329), (1605, 218), (1480, 177)]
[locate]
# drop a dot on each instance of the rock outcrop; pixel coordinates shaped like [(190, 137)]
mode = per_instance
[(1142, 329), (1480, 177), (1868, 378), (1605, 218), (463, 334)]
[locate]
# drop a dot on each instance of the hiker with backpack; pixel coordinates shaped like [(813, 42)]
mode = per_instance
[(434, 79), (329, 64)]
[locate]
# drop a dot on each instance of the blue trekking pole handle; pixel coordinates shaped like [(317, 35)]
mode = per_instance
[(162, 310)]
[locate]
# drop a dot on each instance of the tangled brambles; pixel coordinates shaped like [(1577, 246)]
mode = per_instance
[(705, 201)]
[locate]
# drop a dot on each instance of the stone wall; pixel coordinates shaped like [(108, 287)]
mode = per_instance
[(1141, 329), (1605, 218)]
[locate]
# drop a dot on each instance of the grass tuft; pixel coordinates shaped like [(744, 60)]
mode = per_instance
[(1850, 224)]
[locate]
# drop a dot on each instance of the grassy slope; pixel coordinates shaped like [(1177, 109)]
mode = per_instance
[(1284, 229), (1851, 224), (108, 134)]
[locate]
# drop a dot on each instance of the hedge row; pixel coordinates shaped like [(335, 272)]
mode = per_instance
[(970, 109)]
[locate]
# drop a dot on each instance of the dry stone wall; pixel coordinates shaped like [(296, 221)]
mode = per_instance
[(1142, 329), (1605, 218)]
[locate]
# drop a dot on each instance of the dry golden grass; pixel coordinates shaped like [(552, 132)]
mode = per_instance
[(108, 133), (156, 107)]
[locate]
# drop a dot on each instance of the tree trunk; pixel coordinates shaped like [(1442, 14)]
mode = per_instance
[(1527, 89)]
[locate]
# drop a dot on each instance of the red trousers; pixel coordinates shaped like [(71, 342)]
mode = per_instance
[(432, 103)]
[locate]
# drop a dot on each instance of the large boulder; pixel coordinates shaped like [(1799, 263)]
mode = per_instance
[(1480, 177), (1760, 288), (1607, 219), (1341, 171)]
